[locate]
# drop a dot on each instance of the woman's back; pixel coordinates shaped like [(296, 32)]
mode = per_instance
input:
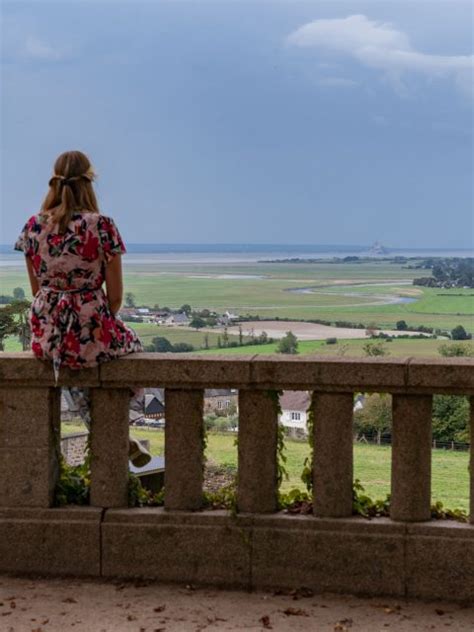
[(71, 320), (74, 259)]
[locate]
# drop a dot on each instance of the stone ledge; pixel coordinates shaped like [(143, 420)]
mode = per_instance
[(23, 369), (408, 375), (353, 555), (50, 541), (176, 547)]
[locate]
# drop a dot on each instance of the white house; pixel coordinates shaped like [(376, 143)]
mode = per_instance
[(294, 406)]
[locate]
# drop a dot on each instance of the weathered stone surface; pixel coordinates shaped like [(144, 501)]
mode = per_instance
[(343, 556), (29, 446), (23, 368), (184, 432), (171, 549), (471, 459), (109, 446), (333, 455), (257, 458), (323, 373), (444, 375), (440, 561), (50, 542), (411, 458), (27, 417), (175, 371)]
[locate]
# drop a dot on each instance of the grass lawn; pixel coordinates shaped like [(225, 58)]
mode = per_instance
[(340, 291), (371, 465)]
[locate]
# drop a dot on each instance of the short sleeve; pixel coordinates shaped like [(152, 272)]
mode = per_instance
[(22, 243), (110, 238)]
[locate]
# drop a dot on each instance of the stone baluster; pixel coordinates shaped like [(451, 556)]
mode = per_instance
[(184, 432), (471, 460), (257, 459), (411, 458), (109, 446), (29, 445), (333, 455)]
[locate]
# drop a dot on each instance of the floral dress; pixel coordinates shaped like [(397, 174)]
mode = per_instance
[(70, 318)]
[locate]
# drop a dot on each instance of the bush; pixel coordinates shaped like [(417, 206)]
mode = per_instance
[(331, 341), (401, 325), (456, 350), (459, 333)]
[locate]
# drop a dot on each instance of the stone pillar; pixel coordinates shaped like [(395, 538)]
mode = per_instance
[(333, 455), (184, 432), (471, 460), (29, 445), (257, 490), (109, 446), (411, 458)]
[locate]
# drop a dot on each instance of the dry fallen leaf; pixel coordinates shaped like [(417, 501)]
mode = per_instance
[(265, 621), (295, 612)]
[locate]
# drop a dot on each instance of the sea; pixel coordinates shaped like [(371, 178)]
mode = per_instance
[(149, 254)]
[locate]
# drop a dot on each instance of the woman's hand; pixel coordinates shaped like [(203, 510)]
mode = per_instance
[(114, 283)]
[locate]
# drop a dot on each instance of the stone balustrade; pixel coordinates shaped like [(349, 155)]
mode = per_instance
[(406, 555)]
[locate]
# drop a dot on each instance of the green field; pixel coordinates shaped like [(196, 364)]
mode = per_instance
[(350, 292), (450, 483), (353, 292)]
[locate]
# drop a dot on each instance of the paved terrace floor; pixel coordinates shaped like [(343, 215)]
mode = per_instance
[(59, 605)]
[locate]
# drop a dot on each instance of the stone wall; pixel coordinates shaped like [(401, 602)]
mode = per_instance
[(73, 447), (407, 554)]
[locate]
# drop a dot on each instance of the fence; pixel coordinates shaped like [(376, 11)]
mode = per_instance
[(408, 554)]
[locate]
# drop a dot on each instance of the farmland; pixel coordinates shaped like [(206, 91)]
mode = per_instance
[(378, 292)]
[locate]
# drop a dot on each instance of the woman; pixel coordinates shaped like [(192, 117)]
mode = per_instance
[(71, 250)]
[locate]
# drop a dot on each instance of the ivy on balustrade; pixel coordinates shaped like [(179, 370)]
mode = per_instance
[(73, 486)]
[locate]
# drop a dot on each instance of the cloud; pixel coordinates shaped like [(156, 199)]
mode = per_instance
[(337, 82), (21, 43), (381, 46)]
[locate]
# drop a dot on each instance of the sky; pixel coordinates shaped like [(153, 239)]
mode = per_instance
[(247, 121)]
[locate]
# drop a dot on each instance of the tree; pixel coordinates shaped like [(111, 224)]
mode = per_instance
[(130, 299), (375, 416), (7, 325), (459, 333), (197, 323), (162, 345), (450, 418), (206, 341), (20, 310), (374, 349), (401, 325), (241, 336), (288, 344), (225, 338), (18, 293), (186, 309), (219, 342)]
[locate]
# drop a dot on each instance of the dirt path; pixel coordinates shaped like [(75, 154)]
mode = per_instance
[(58, 605), (303, 331)]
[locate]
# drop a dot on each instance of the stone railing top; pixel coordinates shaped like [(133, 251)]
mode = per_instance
[(336, 374)]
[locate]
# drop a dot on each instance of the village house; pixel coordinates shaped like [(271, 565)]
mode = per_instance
[(177, 319), (294, 406), (220, 400)]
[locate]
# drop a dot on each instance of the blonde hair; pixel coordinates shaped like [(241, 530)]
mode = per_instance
[(70, 188)]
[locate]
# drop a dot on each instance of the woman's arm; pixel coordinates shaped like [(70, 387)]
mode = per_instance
[(114, 283), (32, 276)]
